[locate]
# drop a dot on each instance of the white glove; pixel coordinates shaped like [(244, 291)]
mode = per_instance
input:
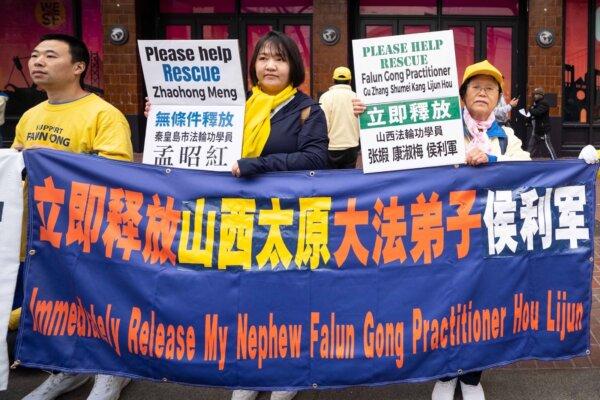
[(589, 154)]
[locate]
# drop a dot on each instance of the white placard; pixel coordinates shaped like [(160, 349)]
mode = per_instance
[(409, 84), (207, 138), (11, 214), (197, 95), (192, 72)]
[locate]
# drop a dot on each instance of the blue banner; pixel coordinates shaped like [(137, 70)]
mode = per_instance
[(304, 279)]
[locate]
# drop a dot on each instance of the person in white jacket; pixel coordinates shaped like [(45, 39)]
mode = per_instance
[(503, 109), (342, 124)]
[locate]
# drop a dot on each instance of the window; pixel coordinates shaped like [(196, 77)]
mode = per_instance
[(480, 7), (92, 35), (378, 31), (178, 32), (575, 92), (197, 6), (246, 20), (499, 53), (277, 6), (596, 110), (301, 35), (464, 47), (398, 7)]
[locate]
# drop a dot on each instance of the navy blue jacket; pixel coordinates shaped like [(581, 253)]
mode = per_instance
[(293, 145)]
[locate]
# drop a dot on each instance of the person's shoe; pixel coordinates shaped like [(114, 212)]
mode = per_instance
[(444, 390), (57, 384), (283, 395), (244, 395), (471, 392), (108, 387)]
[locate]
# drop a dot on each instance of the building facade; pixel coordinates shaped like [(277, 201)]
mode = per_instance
[(547, 43)]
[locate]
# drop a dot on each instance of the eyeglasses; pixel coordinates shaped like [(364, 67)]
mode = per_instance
[(486, 89)]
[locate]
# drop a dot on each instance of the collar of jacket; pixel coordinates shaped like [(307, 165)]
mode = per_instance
[(341, 86), (298, 103)]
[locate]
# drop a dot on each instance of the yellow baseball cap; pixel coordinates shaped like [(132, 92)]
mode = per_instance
[(342, 74), (483, 68)]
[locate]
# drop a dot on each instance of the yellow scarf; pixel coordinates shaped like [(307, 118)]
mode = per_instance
[(257, 122)]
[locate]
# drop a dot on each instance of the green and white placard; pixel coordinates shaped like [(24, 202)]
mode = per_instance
[(410, 86)]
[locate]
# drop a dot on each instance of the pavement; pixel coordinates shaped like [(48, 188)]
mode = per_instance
[(505, 384), (578, 378)]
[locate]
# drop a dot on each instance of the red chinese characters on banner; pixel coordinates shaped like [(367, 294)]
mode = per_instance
[(123, 218), (464, 221), (385, 232), (86, 213), (390, 225), (89, 217), (56, 198), (160, 232), (350, 219), (427, 230)]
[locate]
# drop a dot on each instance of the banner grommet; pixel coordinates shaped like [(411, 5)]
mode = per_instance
[(32, 252)]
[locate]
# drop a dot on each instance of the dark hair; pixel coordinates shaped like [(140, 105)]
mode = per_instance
[(342, 81), (78, 50), (463, 88), (283, 46)]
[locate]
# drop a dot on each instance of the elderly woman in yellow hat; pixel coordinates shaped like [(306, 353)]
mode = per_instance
[(486, 142)]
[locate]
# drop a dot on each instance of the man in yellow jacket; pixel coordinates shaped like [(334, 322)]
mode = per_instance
[(72, 119)]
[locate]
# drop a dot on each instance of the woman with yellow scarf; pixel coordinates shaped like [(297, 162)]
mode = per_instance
[(284, 129)]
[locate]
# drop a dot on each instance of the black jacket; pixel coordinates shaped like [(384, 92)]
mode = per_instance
[(292, 145), (540, 113)]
